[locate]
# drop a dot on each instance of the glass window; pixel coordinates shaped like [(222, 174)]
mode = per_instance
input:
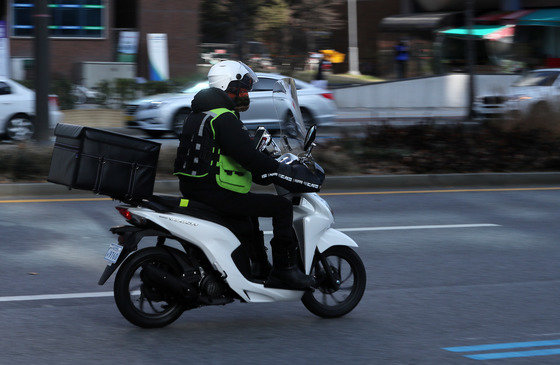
[(264, 84), (5, 89), (69, 18), (537, 78), (197, 87)]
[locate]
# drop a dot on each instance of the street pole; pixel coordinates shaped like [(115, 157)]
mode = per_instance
[(41, 21), (240, 26), (353, 55), (471, 55)]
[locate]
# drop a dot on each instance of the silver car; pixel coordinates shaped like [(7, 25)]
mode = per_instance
[(160, 114)]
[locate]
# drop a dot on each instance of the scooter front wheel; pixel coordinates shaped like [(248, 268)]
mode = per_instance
[(330, 299)]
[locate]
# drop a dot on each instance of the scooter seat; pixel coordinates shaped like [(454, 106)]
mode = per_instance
[(193, 208)]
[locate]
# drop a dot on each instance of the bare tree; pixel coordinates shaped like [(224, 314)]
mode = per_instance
[(285, 26)]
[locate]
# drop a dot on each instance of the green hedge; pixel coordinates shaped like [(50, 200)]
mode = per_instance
[(503, 147)]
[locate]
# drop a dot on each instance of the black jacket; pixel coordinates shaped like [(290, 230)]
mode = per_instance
[(234, 141)]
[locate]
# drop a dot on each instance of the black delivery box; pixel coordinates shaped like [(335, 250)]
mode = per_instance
[(107, 163)]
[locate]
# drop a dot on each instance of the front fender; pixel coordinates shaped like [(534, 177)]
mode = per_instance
[(332, 237)]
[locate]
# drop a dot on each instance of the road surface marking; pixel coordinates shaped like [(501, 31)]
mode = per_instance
[(21, 298), (109, 294), (504, 346), (56, 296), (438, 191), (396, 228), (509, 355), (54, 200), (322, 194)]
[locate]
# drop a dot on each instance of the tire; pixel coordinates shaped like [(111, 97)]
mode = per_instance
[(179, 120), (155, 134), (79, 98), (20, 128), (308, 120), (541, 112), (170, 311), (321, 307)]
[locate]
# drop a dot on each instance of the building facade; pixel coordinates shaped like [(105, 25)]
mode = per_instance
[(89, 30)]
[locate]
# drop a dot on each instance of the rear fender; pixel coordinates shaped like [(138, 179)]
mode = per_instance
[(129, 236)]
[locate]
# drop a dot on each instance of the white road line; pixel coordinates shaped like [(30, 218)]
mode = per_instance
[(56, 296), (395, 228), (362, 229), (101, 294)]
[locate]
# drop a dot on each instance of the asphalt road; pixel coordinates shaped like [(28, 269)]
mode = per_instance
[(431, 286)]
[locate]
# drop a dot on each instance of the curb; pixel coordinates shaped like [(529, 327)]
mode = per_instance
[(336, 182)]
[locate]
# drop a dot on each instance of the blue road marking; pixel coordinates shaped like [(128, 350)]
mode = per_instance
[(508, 355), (502, 346)]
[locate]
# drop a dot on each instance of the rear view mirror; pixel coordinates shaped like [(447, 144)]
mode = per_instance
[(310, 137)]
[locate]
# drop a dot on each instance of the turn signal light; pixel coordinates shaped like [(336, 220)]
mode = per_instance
[(329, 96)]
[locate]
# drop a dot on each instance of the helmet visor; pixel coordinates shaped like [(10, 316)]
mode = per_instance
[(249, 79)]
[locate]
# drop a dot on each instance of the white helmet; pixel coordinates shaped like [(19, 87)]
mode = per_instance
[(222, 73)]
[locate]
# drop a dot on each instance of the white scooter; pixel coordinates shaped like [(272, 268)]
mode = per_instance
[(155, 285)]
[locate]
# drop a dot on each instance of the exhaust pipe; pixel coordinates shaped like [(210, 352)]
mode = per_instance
[(167, 281)]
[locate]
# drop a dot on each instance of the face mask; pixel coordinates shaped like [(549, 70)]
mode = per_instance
[(240, 99)]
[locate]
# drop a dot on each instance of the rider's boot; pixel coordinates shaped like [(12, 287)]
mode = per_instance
[(260, 266), (286, 273)]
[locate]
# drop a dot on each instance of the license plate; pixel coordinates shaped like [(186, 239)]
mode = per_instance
[(113, 253)]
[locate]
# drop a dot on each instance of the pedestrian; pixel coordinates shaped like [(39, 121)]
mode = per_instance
[(401, 59), (319, 75)]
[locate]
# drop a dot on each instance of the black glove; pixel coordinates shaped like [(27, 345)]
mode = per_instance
[(297, 178)]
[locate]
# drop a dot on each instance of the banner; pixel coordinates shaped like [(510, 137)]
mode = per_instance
[(4, 50), (157, 56), (128, 46)]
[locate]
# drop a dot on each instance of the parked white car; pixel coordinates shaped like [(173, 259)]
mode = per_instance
[(160, 114), (534, 94), (490, 106), (18, 109)]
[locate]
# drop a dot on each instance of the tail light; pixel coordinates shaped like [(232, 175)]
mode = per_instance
[(329, 96), (132, 218), (125, 213), (53, 100)]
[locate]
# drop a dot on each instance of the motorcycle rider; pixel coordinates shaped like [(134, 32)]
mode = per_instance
[(217, 162)]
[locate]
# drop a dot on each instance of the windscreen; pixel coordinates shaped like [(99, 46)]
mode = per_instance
[(537, 78), (288, 112)]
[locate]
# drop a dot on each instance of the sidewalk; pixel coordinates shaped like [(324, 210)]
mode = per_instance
[(362, 182), (96, 118)]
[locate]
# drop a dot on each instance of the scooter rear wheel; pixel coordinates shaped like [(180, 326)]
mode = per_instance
[(140, 302), (328, 300)]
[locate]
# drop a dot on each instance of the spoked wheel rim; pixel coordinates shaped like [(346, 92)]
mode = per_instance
[(335, 298), (146, 299), (20, 129), (335, 295)]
